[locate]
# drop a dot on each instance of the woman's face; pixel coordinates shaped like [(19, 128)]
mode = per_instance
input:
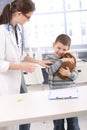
[(22, 18)]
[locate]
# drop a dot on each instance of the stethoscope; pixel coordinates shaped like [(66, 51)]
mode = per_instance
[(18, 35)]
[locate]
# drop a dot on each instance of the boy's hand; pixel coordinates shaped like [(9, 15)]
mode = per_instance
[(71, 60), (65, 72)]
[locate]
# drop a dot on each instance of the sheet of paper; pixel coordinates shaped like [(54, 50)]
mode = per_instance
[(66, 93)]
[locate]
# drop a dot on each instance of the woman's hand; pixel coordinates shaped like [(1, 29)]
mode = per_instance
[(45, 63), (28, 67)]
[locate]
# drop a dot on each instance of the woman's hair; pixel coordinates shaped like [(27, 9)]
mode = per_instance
[(64, 39), (24, 6)]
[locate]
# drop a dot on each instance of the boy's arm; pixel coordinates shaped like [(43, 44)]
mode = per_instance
[(53, 68), (74, 75)]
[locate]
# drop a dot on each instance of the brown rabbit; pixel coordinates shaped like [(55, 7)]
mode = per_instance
[(66, 64)]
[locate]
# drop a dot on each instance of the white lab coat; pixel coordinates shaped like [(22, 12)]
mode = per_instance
[(10, 80)]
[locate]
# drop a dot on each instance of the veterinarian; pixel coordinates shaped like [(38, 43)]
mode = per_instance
[(14, 13)]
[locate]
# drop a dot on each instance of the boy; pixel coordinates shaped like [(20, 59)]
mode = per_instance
[(61, 46)]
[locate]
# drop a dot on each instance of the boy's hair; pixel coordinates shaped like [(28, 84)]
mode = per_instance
[(64, 39)]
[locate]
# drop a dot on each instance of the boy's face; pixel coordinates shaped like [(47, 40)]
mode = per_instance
[(59, 49)]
